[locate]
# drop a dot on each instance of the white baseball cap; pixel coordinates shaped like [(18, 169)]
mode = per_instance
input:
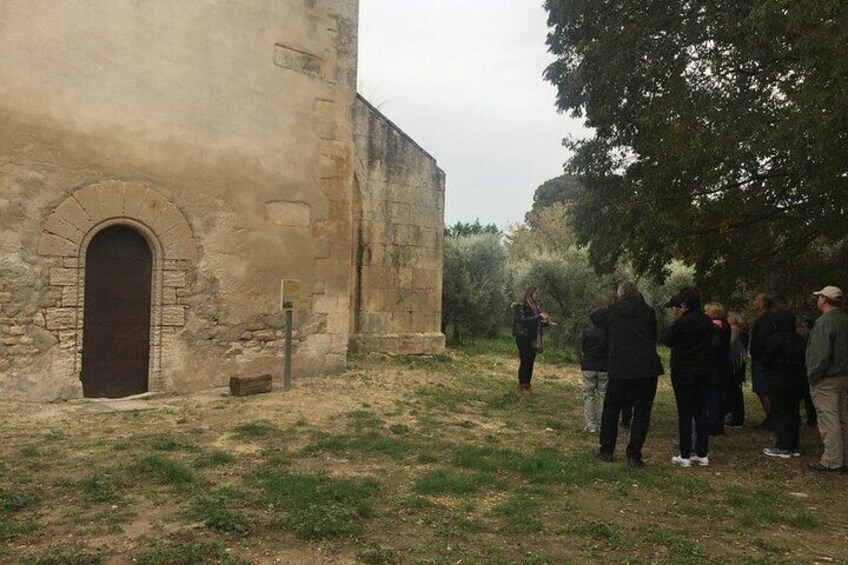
[(833, 292)]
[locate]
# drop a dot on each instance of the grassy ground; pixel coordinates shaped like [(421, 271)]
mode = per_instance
[(401, 460)]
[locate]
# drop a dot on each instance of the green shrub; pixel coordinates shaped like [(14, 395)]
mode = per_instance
[(473, 292)]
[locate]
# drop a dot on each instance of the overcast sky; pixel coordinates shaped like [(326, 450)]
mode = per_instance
[(463, 78)]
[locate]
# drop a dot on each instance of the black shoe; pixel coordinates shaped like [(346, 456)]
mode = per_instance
[(606, 457), (818, 467), (636, 463)]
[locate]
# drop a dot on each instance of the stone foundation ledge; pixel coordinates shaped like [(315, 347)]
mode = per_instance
[(403, 344)]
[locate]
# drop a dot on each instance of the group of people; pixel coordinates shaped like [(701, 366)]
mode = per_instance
[(790, 361)]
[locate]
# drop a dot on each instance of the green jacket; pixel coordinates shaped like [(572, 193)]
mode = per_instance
[(827, 350)]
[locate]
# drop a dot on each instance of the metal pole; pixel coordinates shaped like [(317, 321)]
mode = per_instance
[(288, 346)]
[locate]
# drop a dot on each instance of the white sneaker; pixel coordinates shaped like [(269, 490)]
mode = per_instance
[(775, 452), (701, 461), (590, 429), (680, 461)]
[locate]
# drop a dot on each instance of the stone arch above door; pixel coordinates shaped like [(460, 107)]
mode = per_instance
[(67, 227), (64, 241)]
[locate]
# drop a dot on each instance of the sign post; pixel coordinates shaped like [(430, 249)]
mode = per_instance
[(289, 294)]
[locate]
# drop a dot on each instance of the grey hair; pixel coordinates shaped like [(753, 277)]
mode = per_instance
[(627, 289)]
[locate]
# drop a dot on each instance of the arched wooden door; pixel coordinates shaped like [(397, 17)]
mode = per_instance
[(116, 323)]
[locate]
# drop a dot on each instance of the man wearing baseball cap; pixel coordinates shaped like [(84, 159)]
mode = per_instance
[(827, 372)]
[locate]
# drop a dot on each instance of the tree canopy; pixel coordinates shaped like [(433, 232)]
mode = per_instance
[(460, 229), (564, 189), (719, 135)]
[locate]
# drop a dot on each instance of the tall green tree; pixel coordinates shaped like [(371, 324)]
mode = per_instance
[(564, 189), (719, 135), (462, 229)]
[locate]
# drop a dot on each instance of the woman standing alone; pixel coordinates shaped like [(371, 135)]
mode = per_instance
[(527, 324)]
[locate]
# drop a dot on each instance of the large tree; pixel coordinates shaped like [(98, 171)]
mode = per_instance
[(719, 135)]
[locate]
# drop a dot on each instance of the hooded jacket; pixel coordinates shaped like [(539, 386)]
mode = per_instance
[(783, 354), (761, 330), (631, 327), (594, 347), (690, 338)]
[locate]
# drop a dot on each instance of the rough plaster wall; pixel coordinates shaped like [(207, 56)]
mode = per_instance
[(240, 115), (399, 238)]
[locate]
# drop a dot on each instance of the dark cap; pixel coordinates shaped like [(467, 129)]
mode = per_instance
[(673, 301), (689, 297)]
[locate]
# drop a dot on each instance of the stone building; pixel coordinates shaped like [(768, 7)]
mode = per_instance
[(163, 165)]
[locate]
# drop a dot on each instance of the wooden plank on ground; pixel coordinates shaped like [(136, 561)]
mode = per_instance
[(243, 386)]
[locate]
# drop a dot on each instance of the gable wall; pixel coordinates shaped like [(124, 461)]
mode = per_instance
[(220, 130)]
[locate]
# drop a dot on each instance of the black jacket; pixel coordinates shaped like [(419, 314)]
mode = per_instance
[(631, 327), (762, 328), (720, 352), (783, 357), (690, 338), (594, 350)]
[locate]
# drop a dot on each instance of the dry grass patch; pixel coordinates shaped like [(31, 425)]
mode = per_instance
[(424, 460)]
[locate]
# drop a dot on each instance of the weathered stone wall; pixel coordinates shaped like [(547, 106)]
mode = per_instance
[(221, 131), (399, 237)]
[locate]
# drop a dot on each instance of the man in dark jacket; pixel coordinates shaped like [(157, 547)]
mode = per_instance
[(690, 338), (784, 366), (633, 368)]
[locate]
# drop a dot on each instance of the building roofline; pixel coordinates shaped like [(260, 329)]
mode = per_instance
[(397, 129)]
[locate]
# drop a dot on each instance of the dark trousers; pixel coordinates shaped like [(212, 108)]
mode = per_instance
[(734, 401), (626, 415), (785, 406), (692, 396), (715, 408), (640, 394), (527, 354)]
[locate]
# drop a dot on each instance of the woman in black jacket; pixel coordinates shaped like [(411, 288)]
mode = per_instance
[(527, 323), (722, 367), (690, 338), (734, 399)]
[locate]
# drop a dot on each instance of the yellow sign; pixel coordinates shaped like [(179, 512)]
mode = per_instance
[(289, 293)]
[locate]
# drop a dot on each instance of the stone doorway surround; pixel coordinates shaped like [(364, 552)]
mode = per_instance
[(64, 241)]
